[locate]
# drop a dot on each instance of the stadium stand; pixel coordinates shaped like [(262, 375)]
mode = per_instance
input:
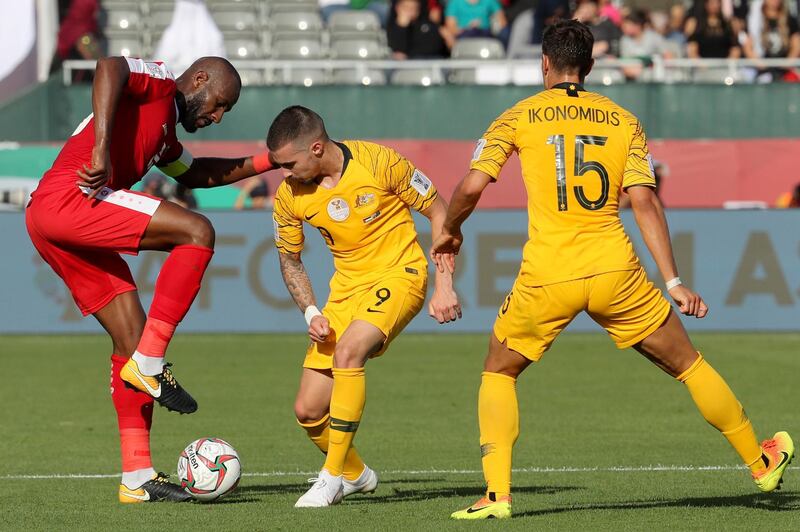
[(261, 35)]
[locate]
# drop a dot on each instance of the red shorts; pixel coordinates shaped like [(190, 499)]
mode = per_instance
[(81, 239)]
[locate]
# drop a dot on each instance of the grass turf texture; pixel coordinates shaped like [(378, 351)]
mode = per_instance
[(586, 405)]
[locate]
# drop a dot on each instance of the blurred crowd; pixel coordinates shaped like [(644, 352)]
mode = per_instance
[(418, 29), (750, 29)]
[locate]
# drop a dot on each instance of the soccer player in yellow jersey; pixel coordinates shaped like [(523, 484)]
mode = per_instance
[(578, 150), (358, 195)]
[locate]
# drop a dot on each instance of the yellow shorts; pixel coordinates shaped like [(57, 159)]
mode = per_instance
[(388, 305), (625, 303)]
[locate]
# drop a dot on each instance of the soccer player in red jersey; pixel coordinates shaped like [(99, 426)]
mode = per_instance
[(82, 216)]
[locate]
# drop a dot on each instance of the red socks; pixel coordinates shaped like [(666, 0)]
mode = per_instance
[(134, 416), (176, 287)]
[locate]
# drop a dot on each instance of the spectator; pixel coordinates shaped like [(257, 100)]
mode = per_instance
[(711, 34), (155, 184), (735, 11), (78, 36), (183, 196), (606, 34), (257, 190), (474, 18), (379, 7), (675, 25), (779, 36), (789, 200), (639, 41), (548, 12), (610, 11), (191, 33), (411, 35)]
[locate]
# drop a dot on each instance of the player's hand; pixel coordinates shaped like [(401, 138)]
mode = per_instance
[(446, 244), (98, 174), (689, 303), (320, 329), (444, 262), (444, 306)]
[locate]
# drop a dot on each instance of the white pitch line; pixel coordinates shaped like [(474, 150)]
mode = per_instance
[(565, 469)]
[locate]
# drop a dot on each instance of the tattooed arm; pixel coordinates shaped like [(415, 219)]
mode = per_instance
[(297, 281), (299, 286)]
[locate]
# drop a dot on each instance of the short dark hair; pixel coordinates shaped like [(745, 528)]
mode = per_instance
[(295, 123), (568, 44)]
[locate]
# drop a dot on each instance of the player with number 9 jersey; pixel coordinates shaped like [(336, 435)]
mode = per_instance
[(358, 195)]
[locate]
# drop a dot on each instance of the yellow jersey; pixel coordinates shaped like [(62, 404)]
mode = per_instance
[(577, 149), (365, 219)]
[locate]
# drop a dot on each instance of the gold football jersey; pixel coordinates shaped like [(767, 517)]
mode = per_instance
[(577, 149), (365, 219)]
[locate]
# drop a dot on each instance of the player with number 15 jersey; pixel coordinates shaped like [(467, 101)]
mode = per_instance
[(578, 151)]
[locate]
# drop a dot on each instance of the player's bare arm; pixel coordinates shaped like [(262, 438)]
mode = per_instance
[(207, 172), (299, 285), (109, 81), (649, 214), (444, 306), (465, 198)]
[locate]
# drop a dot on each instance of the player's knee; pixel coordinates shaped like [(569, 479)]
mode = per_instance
[(309, 413), (202, 232), (348, 356)]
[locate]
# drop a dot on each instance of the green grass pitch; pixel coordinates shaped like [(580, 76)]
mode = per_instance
[(607, 441)]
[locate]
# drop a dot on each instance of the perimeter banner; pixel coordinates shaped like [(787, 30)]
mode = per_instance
[(746, 264)]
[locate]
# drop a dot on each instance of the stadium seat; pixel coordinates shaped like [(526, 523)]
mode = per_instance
[(415, 76), (251, 76), (160, 16), (354, 22), (297, 49), (126, 44), (351, 76), (236, 19), (291, 6), (238, 46), (306, 77), (122, 18), (479, 48), (358, 49), (605, 76), (298, 21)]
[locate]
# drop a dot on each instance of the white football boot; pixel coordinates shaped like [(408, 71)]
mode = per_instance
[(326, 491), (365, 483)]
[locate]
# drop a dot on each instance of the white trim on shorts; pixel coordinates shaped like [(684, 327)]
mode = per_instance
[(126, 199)]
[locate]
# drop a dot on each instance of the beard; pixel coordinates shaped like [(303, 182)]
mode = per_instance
[(192, 111)]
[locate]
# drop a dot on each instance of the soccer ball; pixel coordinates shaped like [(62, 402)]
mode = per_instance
[(209, 468)]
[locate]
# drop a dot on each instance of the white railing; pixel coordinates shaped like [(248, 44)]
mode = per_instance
[(506, 71)]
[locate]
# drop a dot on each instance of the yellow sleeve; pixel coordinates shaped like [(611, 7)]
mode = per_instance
[(497, 144), (288, 226), (639, 165), (403, 179)]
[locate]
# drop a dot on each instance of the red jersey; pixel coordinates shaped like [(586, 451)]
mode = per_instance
[(143, 134)]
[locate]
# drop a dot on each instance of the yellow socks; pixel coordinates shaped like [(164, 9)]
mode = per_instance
[(719, 407), (318, 432), (498, 417), (347, 404)]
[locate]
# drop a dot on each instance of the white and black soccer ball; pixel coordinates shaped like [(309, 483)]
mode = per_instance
[(209, 468)]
